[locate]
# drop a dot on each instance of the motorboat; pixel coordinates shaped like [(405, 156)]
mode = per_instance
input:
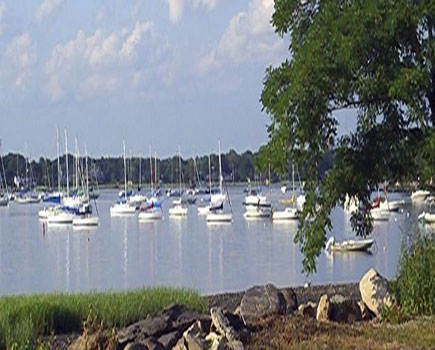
[(286, 214), (419, 195), (349, 245), (45, 212), (257, 212), (379, 214)]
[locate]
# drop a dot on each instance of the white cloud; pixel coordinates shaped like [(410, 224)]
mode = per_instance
[(2, 15), (248, 37), (46, 7), (21, 51), (176, 7), (101, 63)]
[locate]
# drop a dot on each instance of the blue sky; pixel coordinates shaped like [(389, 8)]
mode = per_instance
[(155, 72)]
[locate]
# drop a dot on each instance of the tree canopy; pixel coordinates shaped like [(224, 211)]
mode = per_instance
[(375, 57)]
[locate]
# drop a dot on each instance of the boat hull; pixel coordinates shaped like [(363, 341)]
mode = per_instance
[(86, 221), (220, 217), (178, 211), (150, 215), (287, 214)]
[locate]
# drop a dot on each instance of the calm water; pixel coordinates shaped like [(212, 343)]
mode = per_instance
[(125, 253)]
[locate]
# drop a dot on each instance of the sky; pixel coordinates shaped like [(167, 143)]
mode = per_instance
[(159, 73)]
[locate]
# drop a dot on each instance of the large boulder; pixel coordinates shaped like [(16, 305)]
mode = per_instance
[(375, 292), (323, 309), (308, 309), (291, 300), (261, 301), (344, 310)]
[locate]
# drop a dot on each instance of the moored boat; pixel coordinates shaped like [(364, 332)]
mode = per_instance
[(349, 245)]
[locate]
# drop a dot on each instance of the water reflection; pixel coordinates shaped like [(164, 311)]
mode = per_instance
[(125, 253)]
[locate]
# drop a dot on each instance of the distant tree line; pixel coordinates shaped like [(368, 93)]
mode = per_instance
[(236, 168)]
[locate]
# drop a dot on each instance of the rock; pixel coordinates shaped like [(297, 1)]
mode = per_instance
[(96, 340), (169, 340), (224, 327), (261, 301), (375, 292), (135, 346), (151, 326), (181, 345), (323, 309), (217, 342), (194, 338), (291, 300), (344, 310), (153, 344), (308, 309), (366, 314)]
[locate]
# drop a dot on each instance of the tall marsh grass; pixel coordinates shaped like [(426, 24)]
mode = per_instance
[(25, 318), (415, 282)]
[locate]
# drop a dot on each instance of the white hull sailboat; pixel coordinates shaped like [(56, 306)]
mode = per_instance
[(419, 196), (60, 217), (219, 215), (122, 206), (257, 212), (349, 245), (179, 210), (379, 214), (286, 214), (151, 214)]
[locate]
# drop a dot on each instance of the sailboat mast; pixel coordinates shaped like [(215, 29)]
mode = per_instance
[(220, 169), (155, 170), (58, 160), (151, 171), (293, 182), (270, 190), (77, 164), (140, 170), (66, 162), (87, 172), (179, 169), (125, 171), (209, 172)]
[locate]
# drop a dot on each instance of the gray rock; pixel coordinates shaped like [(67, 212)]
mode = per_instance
[(224, 327), (291, 300), (169, 340), (375, 292), (323, 309), (194, 337), (261, 301), (136, 346), (366, 314), (308, 309), (344, 310), (181, 345), (153, 344)]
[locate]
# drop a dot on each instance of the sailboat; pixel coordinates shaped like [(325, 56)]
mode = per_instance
[(85, 216), (289, 213), (138, 198), (122, 206), (4, 193), (27, 195), (152, 210), (218, 215), (257, 205), (216, 200), (179, 209)]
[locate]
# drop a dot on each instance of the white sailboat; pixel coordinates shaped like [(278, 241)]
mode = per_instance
[(218, 215), (349, 245), (4, 192), (122, 206), (289, 213), (138, 198), (379, 214), (152, 210), (87, 218), (179, 210), (419, 196), (257, 206)]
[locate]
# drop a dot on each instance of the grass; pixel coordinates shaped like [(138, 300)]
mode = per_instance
[(297, 333), (25, 318), (414, 285)]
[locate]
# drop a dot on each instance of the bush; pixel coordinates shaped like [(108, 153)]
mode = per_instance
[(415, 283)]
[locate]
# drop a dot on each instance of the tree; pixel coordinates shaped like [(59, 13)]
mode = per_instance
[(373, 56)]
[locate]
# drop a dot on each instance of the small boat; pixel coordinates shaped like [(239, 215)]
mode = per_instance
[(178, 210), (150, 212), (45, 212), (349, 245), (86, 220), (257, 212), (219, 216), (61, 216), (4, 201), (286, 214), (122, 208), (419, 195), (384, 204), (27, 199), (203, 210), (427, 217), (380, 214), (137, 199)]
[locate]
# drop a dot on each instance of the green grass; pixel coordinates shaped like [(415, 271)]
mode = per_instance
[(25, 318), (414, 285)]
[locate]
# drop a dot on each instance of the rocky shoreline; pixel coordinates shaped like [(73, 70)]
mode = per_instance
[(235, 318)]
